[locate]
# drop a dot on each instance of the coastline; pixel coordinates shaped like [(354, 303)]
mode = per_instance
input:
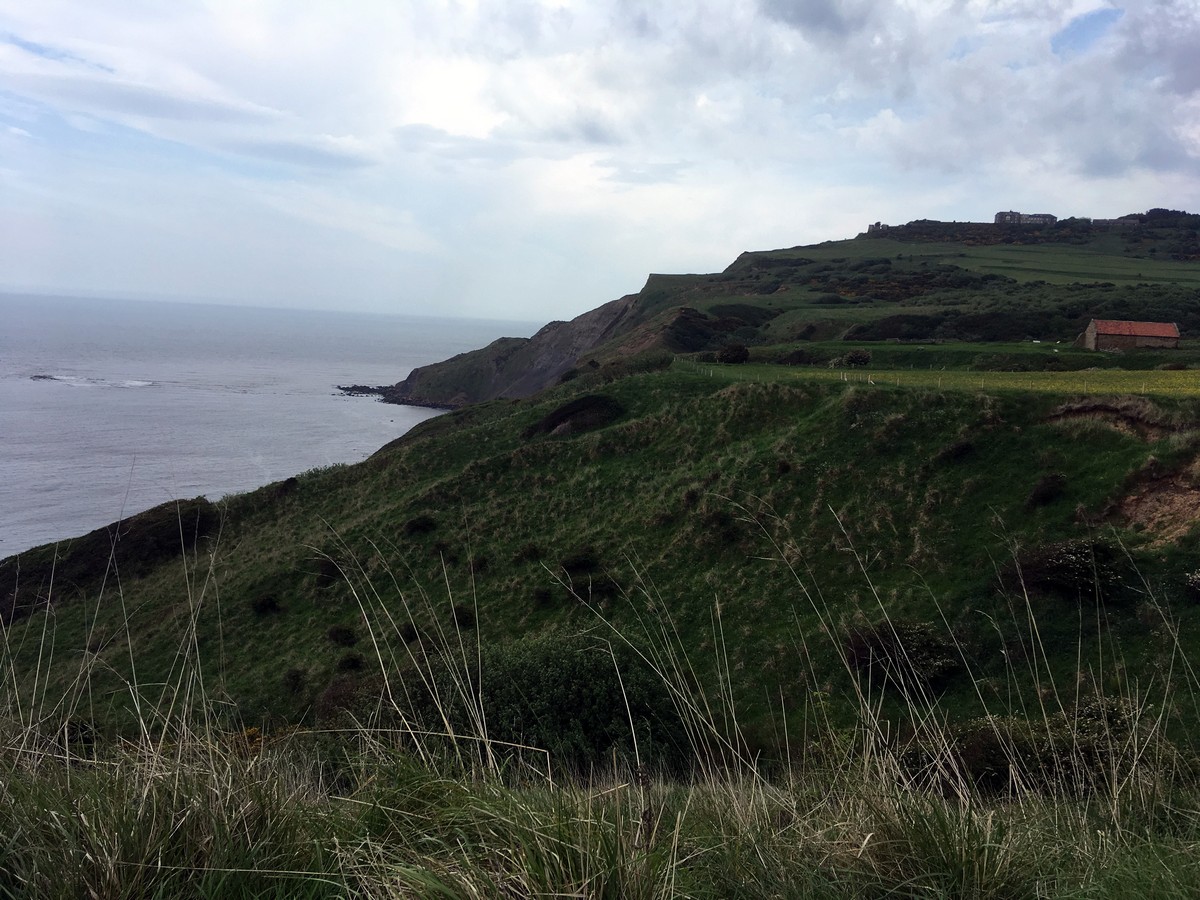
[(386, 394)]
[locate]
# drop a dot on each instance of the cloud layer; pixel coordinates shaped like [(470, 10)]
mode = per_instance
[(534, 158)]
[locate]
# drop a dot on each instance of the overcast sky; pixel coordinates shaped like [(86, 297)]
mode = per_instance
[(531, 159)]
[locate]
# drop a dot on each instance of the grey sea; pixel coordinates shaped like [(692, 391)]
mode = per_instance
[(110, 407)]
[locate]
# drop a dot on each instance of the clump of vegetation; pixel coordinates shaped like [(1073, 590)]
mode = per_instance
[(733, 354), (265, 605), (342, 635), (851, 359), (585, 413), (911, 655), (1079, 568), (1049, 487), (527, 552), (580, 561), (419, 525)]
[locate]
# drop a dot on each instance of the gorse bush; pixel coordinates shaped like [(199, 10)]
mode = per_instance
[(1073, 569), (908, 654)]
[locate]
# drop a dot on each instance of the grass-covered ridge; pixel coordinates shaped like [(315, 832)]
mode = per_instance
[(721, 486)]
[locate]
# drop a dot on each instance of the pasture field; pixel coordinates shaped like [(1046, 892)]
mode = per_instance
[(1100, 382), (1053, 263), (1060, 264)]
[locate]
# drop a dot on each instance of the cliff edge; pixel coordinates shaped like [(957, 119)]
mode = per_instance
[(513, 367)]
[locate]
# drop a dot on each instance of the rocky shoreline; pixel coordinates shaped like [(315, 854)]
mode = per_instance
[(387, 393)]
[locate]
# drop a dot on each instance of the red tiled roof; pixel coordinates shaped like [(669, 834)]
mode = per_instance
[(1137, 329)]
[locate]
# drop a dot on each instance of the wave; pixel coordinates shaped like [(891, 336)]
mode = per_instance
[(84, 382)]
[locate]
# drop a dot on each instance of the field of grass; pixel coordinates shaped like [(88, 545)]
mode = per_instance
[(1089, 796), (756, 631), (1066, 265), (1093, 382)]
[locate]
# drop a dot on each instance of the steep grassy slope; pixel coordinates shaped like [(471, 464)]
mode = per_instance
[(768, 526)]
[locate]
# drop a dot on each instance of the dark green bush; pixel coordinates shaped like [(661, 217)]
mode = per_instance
[(1076, 568), (265, 605), (342, 635), (1049, 487), (418, 525), (581, 561), (955, 452), (733, 354), (529, 552), (585, 413), (294, 680), (907, 654), (1071, 750), (561, 693)]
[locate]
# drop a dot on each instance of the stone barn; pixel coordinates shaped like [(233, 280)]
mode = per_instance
[(1112, 334)]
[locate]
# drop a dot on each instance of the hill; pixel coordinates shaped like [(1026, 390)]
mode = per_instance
[(837, 513), (921, 281)]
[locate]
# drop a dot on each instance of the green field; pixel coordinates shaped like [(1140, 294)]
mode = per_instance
[(1097, 382), (1053, 263)]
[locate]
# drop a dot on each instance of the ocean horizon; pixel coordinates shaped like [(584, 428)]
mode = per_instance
[(109, 407)]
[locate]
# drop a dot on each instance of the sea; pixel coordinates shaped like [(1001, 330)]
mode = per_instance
[(110, 407)]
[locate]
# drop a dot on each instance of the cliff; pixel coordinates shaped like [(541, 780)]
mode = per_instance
[(513, 367)]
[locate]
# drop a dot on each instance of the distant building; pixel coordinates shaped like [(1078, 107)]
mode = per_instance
[(877, 228), (1017, 218), (1112, 334)]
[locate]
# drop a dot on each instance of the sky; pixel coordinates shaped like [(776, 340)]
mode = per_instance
[(532, 159)]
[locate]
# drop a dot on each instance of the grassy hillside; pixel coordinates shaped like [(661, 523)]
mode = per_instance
[(767, 511), (890, 609), (938, 281)]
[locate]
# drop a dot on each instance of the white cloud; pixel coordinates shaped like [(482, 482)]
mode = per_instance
[(563, 148)]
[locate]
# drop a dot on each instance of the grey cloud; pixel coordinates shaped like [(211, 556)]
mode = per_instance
[(836, 18), (1163, 40), (585, 127)]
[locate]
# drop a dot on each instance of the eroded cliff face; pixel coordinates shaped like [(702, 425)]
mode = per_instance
[(514, 367)]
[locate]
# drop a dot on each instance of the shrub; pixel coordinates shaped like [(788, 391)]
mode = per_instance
[(327, 571), (1072, 750), (294, 680), (581, 561), (265, 605), (529, 552), (802, 357), (733, 354), (905, 653), (1049, 488), (1191, 584), (1070, 569), (955, 452), (418, 525), (463, 615), (585, 413), (342, 635), (561, 693)]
